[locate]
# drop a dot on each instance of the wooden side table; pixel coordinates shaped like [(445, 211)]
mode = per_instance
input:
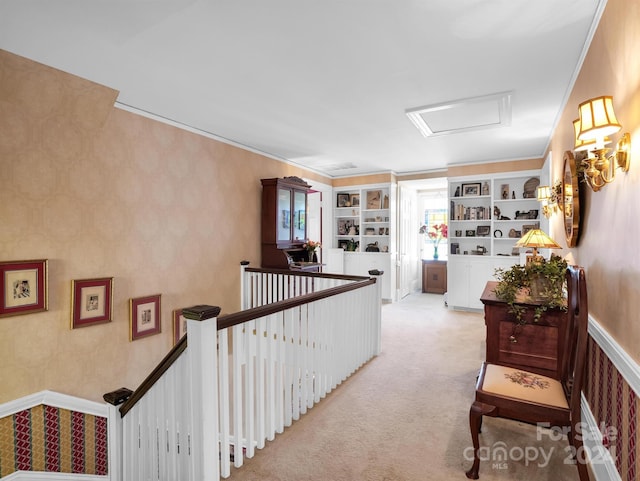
[(538, 346), (434, 276)]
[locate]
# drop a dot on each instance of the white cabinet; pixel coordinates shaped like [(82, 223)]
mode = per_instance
[(487, 216), (466, 278)]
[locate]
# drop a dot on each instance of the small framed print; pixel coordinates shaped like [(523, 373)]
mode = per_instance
[(91, 301), (179, 326), (23, 287), (144, 316), (343, 200), (470, 189), (355, 200), (374, 199)]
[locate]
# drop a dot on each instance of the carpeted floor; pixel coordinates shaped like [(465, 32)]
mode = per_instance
[(404, 415)]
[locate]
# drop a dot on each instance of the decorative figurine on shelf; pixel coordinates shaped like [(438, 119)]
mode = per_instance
[(311, 247), (485, 188), (457, 194)]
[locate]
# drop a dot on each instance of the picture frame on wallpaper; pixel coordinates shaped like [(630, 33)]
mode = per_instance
[(23, 287), (91, 302), (144, 317), (179, 326)]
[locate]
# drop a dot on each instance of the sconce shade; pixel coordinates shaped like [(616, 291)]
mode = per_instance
[(584, 144), (597, 119), (544, 193), (537, 239)]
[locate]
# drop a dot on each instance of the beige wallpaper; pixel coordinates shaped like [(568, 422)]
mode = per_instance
[(608, 247), (102, 192)]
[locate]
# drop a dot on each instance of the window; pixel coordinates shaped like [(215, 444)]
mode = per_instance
[(434, 207)]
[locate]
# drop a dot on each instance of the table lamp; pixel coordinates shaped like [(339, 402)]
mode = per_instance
[(537, 239)]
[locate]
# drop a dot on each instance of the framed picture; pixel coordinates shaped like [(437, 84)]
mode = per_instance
[(144, 316), (483, 230), (179, 326), (471, 189), (504, 191), (23, 285), (344, 200), (355, 200), (342, 244), (470, 233), (374, 199), (91, 301)]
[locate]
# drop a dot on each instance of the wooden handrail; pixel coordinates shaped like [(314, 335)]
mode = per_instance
[(240, 317), (156, 374), (323, 275)]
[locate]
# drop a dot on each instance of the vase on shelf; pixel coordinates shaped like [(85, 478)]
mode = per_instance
[(435, 252)]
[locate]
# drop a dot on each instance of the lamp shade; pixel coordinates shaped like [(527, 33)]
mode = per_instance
[(597, 118), (538, 239), (584, 144), (544, 193)]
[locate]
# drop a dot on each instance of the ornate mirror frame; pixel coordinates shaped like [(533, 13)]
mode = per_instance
[(570, 199)]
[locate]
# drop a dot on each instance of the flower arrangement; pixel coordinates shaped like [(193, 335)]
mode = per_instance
[(311, 246), (437, 232)]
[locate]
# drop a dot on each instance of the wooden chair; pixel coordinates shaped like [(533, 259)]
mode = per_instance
[(528, 397)]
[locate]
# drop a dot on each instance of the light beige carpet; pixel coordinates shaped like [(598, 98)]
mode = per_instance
[(404, 415)]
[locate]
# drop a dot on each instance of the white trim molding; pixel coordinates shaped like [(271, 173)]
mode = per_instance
[(56, 400), (628, 368), (46, 476), (602, 465)]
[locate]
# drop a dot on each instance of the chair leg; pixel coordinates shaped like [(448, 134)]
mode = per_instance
[(476, 412), (579, 455)]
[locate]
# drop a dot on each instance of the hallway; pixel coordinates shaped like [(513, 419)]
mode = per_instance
[(404, 415)]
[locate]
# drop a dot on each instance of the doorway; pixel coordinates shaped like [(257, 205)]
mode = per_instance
[(415, 198)]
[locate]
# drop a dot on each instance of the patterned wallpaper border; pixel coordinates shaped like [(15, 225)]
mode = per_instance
[(613, 379)]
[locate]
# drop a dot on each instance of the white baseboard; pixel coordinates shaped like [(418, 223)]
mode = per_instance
[(602, 465), (44, 476)]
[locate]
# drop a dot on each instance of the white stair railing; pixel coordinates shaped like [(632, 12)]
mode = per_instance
[(244, 377)]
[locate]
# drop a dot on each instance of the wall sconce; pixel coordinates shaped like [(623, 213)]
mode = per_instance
[(597, 121), (550, 198)]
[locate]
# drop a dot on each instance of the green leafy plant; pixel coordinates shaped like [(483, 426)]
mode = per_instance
[(540, 282)]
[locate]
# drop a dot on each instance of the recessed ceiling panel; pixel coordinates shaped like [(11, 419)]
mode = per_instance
[(489, 111)]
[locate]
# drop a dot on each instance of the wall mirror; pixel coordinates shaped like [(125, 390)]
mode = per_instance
[(571, 200)]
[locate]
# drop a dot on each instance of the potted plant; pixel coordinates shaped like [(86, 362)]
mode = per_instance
[(541, 283)]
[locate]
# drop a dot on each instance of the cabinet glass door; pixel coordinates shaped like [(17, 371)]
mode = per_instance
[(299, 215), (284, 215)]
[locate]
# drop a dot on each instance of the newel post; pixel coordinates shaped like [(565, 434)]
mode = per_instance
[(244, 288), (202, 347), (377, 274)]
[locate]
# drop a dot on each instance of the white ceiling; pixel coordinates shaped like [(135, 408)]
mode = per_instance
[(324, 84)]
